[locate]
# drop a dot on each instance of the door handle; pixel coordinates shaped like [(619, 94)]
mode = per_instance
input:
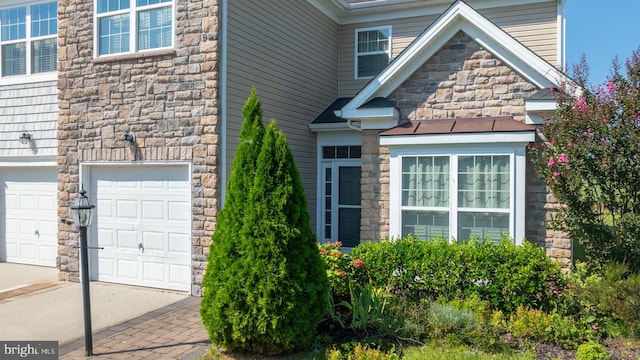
[(37, 233), (140, 247)]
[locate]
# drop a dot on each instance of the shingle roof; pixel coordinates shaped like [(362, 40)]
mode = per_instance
[(457, 126), (328, 116)]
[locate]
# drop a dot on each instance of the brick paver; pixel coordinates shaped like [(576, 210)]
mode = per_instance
[(172, 332)]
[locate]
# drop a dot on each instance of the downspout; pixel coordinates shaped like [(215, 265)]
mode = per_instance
[(562, 33), (223, 102), (353, 127), (338, 113)]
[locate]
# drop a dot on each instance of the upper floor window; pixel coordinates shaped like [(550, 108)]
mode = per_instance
[(373, 50), (28, 39), (125, 27)]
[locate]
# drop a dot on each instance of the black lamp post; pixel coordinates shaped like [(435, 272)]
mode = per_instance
[(82, 213)]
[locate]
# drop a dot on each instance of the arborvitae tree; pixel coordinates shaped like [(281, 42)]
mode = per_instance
[(284, 277), (265, 287), (222, 288)]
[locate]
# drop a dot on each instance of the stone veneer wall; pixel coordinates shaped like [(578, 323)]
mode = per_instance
[(168, 98), (461, 80), (374, 187)]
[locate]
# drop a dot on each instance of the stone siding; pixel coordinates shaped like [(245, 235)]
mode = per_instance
[(167, 98), (462, 80), (374, 187)]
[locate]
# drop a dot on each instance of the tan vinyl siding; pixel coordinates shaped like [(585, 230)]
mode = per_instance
[(33, 108), (403, 32), (288, 50), (534, 25)]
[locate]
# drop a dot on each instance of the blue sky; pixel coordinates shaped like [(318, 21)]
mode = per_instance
[(601, 29)]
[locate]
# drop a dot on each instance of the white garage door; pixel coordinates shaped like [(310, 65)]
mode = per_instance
[(28, 232), (143, 221)]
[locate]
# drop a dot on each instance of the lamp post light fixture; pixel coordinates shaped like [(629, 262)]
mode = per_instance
[(25, 138), (82, 213)]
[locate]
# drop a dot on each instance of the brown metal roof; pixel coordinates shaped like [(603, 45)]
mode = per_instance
[(459, 126)]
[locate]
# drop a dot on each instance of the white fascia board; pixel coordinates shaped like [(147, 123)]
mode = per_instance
[(449, 139), (329, 127), (20, 161), (540, 105), (374, 118), (384, 10), (460, 17)]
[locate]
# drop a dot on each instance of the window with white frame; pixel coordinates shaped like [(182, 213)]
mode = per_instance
[(28, 39), (373, 51), (129, 26), (429, 205), (457, 195)]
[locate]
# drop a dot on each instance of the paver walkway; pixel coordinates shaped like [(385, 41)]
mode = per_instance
[(172, 332)]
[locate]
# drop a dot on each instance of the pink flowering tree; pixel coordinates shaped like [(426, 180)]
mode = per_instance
[(590, 159)]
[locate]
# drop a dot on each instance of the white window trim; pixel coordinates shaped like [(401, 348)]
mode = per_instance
[(337, 138), (517, 154), (28, 40), (133, 26), (356, 54)]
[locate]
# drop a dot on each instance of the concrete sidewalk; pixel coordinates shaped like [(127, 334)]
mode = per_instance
[(128, 322)]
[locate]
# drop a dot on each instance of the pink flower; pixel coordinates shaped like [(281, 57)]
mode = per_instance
[(357, 263), (555, 174), (563, 159), (341, 273), (580, 103), (551, 162), (569, 144), (589, 133), (611, 87), (602, 140), (604, 121), (595, 327)]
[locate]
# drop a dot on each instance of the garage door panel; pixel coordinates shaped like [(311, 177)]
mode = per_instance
[(127, 239), (154, 271), (152, 210), (154, 241), (29, 208), (105, 238), (126, 209), (128, 269), (144, 208), (47, 228), (179, 243), (179, 275), (178, 210)]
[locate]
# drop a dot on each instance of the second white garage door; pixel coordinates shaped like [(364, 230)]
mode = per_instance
[(29, 215), (143, 222)]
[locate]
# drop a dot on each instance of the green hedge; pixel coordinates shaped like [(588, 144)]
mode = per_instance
[(506, 275)]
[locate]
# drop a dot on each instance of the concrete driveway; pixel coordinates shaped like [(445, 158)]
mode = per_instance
[(35, 306)]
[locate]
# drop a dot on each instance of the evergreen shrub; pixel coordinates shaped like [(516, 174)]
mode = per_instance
[(506, 275), (265, 288)]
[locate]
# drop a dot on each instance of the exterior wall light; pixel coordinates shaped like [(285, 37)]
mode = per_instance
[(129, 138), (25, 138)]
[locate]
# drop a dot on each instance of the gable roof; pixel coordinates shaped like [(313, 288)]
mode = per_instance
[(458, 17)]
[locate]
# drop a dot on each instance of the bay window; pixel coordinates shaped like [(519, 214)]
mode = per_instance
[(28, 39), (457, 193), (129, 26)]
